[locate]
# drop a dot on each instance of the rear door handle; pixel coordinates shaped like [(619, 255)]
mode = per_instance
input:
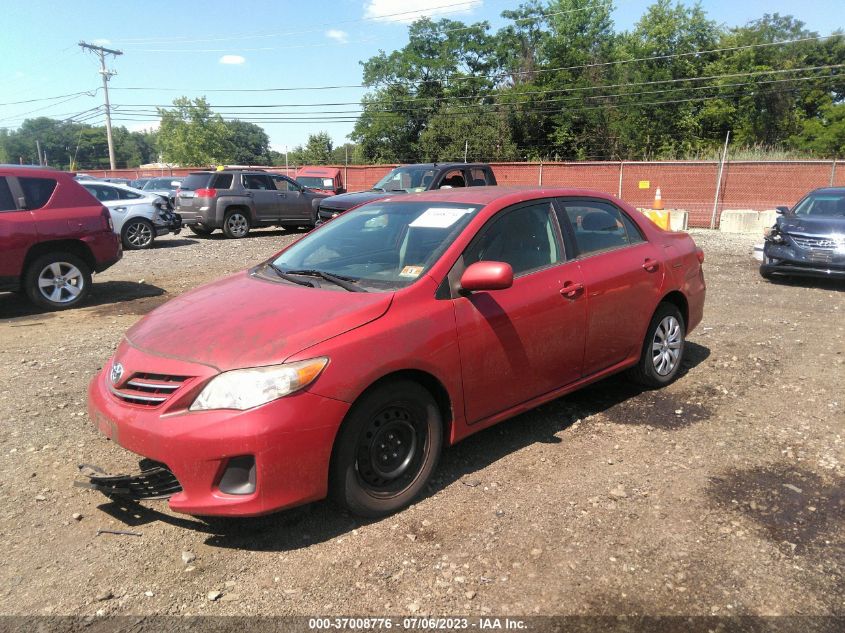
[(650, 265), (120, 208), (571, 290)]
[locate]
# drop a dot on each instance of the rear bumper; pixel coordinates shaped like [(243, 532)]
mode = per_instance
[(289, 439)]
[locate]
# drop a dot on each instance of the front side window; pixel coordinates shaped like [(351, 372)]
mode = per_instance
[(822, 205), (37, 191), (525, 238), (453, 179), (283, 184), (598, 226), (7, 201), (383, 246)]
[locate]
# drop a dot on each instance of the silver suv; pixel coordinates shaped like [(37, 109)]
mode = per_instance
[(237, 200)]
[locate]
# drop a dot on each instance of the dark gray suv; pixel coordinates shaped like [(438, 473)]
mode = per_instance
[(237, 200)]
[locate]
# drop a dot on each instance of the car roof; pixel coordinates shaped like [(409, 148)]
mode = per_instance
[(444, 165), (32, 168), (317, 171), (486, 195), (112, 185), (829, 190)]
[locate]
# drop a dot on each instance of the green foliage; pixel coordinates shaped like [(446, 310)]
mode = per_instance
[(558, 82), (248, 144), (191, 134)]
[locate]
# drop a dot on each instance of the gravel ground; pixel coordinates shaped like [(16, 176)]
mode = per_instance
[(722, 494)]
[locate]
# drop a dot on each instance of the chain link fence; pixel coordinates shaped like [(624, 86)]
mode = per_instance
[(694, 186)]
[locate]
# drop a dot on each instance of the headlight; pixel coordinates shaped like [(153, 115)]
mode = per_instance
[(246, 388), (774, 235)]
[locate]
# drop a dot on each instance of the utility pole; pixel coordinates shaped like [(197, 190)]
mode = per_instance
[(107, 74)]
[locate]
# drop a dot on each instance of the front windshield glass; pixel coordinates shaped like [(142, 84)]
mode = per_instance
[(822, 205), (316, 182), (382, 246), (413, 178)]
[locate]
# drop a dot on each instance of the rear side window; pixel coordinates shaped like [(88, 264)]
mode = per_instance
[(7, 202), (221, 181), (127, 195), (196, 181), (257, 182), (598, 226), (37, 191), (102, 193), (479, 178)]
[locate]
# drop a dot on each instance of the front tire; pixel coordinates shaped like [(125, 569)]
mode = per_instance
[(663, 348), (57, 281), (386, 450), (137, 234), (201, 230), (236, 224)]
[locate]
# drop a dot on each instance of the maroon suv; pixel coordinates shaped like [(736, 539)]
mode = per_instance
[(53, 235)]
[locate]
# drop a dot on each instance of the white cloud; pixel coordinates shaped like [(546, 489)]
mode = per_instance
[(101, 42), (232, 59), (407, 11), (341, 37)]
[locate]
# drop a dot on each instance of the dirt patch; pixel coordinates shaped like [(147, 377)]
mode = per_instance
[(794, 507)]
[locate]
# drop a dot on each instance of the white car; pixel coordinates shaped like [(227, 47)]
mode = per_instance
[(138, 217)]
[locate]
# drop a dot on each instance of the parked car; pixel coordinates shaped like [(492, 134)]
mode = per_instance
[(344, 363), (328, 180), (86, 177), (237, 200), (53, 236), (139, 183), (412, 179), (117, 181), (809, 239), (139, 217), (164, 187)]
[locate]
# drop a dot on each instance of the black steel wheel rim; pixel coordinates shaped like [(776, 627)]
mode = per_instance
[(391, 450)]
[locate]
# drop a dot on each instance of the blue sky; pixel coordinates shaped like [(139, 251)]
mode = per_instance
[(190, 48)]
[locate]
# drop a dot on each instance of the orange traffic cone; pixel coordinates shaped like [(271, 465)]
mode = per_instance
[(658, 201)]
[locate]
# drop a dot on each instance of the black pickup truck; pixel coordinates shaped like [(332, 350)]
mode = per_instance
[(411, 179)]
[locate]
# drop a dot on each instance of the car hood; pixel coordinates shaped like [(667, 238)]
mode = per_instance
[(348, 200), (811, 225), (244, 321)]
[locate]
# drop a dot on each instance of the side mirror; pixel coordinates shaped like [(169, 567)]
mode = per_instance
[(487, 276), (782, 210)]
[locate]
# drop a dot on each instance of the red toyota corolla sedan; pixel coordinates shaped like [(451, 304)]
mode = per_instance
[(345, 363)]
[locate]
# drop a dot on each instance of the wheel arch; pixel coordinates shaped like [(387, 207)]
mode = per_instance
[(677, 298), (239, 206), (75, 247)]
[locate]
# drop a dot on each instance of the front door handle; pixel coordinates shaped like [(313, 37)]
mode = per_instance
[(650, 265), (571, 290)]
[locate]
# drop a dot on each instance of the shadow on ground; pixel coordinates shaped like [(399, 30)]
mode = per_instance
[(323, 521), (108, 295)]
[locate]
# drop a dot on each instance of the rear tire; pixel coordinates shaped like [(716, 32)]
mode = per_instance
[(236, 224), (201, 230), (663, 348), (57, 281), (386, 450)]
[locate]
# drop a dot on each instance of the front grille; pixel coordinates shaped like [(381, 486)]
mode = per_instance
[(813, 243), (155, 481), (149, 390)]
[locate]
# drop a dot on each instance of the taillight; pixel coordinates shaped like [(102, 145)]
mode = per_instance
[(206, 193), (107, 221), (700, 254)]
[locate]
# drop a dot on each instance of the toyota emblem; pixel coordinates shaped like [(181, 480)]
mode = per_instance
[(116, 372)]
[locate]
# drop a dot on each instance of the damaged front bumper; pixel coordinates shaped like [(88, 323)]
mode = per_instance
[(154, 481)]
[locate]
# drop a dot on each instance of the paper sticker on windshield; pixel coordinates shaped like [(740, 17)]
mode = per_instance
[(411, 271), (439, 217)]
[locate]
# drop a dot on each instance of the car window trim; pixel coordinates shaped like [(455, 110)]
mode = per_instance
[(16, 193), (577, 254)]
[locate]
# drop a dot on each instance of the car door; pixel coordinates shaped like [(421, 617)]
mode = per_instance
[(622, 276), (265, 199), (17, 232), (294, 204), (521, 342)]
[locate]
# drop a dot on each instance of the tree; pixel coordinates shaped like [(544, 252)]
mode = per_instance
[(484, 137), (317, 150), (248, 144), (191, 134), (825, 134)]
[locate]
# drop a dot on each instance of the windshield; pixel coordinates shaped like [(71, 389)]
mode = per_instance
[(822, 205), (412, 178), (160, 183), (316, 182), (383, 246)]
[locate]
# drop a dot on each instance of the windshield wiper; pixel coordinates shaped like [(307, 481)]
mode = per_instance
[(347, 283), (281, 273)]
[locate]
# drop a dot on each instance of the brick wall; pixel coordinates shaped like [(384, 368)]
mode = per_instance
[(684, 185)]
